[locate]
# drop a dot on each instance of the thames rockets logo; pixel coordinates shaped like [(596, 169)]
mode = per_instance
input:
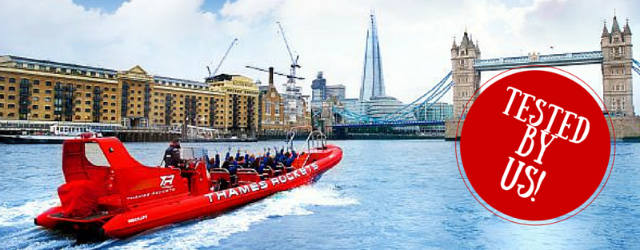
[(166, 181), (535, 146)]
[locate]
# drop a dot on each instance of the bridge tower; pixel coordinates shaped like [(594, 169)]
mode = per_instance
[(616, 69), (466, 80)]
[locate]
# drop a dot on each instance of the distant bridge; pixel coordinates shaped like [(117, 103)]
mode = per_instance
[(389, 123), (403, 117), (565, 59), (467, 68)]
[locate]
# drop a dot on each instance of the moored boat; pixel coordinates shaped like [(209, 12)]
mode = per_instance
[(57, 135), (108, 193)]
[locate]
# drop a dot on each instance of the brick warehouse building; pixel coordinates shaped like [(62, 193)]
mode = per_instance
[(40, 90)]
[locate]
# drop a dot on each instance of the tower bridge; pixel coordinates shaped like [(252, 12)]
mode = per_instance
[(615, 57), (555, 60)]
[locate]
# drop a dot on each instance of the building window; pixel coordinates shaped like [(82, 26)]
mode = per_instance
[(36, 91), (1, 78), (48, 91), (12, 97), (12, 80), (47, 107), (47, 83), (12, 88), (35, 98), (34, 107)]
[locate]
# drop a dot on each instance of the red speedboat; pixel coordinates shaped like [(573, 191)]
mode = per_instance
[(109, 194)]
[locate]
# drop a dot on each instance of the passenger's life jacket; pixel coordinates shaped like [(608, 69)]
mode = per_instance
[(171, 156)]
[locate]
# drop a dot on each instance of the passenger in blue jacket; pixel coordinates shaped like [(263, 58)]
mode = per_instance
[(216, 163), (261, 166), (231, 165), (290, 158), (233, 169)]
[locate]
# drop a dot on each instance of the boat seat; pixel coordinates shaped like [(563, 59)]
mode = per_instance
[(267, 172), (277, 172), (247, 175), (218, 176), (220, 173)]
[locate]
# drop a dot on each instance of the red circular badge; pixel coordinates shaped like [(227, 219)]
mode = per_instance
[(535, 146)]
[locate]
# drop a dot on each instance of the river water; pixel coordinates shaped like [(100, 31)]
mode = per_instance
[(383, 195)]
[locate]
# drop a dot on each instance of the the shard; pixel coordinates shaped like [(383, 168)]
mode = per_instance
[(372, 78)]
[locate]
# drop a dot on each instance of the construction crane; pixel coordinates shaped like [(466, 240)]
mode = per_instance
[(275, 73), (294, 60), (211, 74), (293, 97)]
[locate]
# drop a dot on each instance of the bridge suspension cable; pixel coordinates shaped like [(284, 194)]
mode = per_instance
[(430, 100), (407, 112), (438, 86), (636, 67)]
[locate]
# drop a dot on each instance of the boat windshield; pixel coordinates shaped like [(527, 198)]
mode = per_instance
[(193, 153)]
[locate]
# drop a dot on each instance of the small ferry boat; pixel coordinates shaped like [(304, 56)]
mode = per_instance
[(56, 135), (109, 194)]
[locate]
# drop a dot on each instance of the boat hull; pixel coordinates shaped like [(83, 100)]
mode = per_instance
[(185, 206), (214, 203)]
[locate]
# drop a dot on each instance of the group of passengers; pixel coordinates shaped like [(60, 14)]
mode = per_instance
[(281, 160), (259, 163)]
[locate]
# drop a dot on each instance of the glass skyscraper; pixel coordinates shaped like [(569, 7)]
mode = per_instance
[(372, 78)]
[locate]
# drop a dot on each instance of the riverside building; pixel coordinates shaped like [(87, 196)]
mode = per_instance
[(42, 90), (272, 119)]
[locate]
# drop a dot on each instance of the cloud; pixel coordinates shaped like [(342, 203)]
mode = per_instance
[(178, 38)]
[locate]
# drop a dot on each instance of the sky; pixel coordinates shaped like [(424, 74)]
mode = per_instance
[(179, 38)]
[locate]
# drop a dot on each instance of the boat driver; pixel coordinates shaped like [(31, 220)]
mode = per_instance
[(172, 154)]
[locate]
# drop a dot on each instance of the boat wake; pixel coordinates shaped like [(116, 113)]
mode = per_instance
[(18, 232), (16, 215), (209, 233)]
